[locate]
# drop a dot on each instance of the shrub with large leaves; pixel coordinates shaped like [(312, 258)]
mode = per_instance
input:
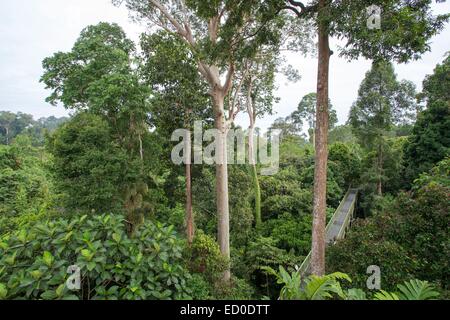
[(34, 261)]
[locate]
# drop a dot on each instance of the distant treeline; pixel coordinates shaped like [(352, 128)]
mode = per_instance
[(14, 124)]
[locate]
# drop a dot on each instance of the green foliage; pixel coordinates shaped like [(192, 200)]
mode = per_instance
[(199, 287), (347, 160), (382, 102), (291, 234), (343, 134), (314, 287), (306, 111), (204, 257), (410, 290), (89, 167), (207, 265), (429, 142), (263, 252), (101, 50), (329, 287), (405, 32), (12, 125), (238, 289), (26, 188), (436, 86), (180, 93), (438, 175), (34, 261), (417, 290), (365, 246)]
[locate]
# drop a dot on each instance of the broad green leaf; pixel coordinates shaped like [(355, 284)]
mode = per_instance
[(60, 291), (3, 291), (49, 295), (116, 237), (36, 274), (87, 254), (48, 258)]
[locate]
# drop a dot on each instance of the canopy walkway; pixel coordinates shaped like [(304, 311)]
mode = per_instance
[(338, 225)]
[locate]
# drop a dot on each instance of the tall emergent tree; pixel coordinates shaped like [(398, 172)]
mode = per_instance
[(306, 111), (429, 142), (404, 34), (259, 98), (98, 76), (382, 103), (179, 97), (220, 35)]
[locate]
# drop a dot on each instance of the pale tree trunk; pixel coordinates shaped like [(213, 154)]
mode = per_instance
[(223, 214), (141, 148), (321, 158), (189, 214), (7, 136)]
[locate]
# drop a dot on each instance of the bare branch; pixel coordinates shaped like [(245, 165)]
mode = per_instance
[(177, 25)]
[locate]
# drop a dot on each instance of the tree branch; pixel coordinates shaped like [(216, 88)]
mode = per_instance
[(177, 25), (229, 80)]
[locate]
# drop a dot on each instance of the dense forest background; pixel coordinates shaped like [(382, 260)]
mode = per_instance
[(98, 189)]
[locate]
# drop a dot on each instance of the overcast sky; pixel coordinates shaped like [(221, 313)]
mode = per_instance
[(31, 30)]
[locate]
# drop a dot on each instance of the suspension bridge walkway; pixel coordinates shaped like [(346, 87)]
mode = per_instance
[(338, 225)]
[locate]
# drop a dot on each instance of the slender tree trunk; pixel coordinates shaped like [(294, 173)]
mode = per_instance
[(320, 175), (314, 137), (380, 170), (254, 173), (141, 148), (223, 214), (189, 214), (7, 136), (257, 189)]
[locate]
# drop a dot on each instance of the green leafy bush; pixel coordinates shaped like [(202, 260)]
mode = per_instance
[(238, 289), (291, 233), (263, 252), (26, 190), (200, 288), (34, 261), (204, 257)]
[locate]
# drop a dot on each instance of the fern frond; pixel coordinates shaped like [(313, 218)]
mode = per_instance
[(417, 290), (384, 295)]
